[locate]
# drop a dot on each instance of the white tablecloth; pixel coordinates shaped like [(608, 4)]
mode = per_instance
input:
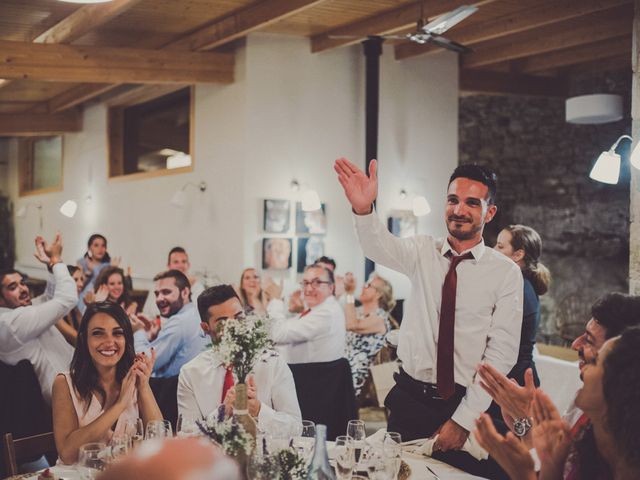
[(559, 379), (419, 470), (64, 472)]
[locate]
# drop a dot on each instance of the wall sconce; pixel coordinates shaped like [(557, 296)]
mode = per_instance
[(607, 166), (180, 199), (309, 198), (419, 205), (22, 211), (69, 208)]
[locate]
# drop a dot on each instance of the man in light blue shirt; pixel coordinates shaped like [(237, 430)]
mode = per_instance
[(180, 338)]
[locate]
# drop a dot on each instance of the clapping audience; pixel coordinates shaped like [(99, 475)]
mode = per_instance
[(111, 285), (70, 323), (253, 298), (107, 384)]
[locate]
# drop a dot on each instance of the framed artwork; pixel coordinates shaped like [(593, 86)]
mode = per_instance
[(309, 250), (403, 223), (276, 253), (276, 216), (311, 222)]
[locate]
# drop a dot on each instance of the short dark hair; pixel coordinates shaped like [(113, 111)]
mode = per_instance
[(214, 296), (616, 311), (481, 174), (328, 260), (621, 387), (175, 250), (72, 269), (329, 273), (180, 278), (4, 273)]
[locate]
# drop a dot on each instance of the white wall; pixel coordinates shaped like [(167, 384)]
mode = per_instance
[(289, 114)]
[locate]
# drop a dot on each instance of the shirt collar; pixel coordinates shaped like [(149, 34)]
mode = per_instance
[(477, 250)]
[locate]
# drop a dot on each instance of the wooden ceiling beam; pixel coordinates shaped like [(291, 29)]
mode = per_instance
[(142, 93), (240, 23), (32, 124), (570, 33), (591, 52), (386, 23), (70, 63), (535, 16), (499, 83)]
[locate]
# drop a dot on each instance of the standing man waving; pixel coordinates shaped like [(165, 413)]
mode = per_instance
[(465, 305)]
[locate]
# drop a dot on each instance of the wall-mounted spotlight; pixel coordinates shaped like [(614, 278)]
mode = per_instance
[(23, 210), (180, 199)]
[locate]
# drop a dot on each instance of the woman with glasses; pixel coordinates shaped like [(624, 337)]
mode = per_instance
[(367, 326)]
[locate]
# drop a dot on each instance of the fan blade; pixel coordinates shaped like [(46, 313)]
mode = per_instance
[(337, 37), (395, 37), (449, 44), (448, 20)]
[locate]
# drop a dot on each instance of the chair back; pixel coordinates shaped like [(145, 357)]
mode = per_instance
[(326, 394), (166, 392), (18, 451), (383, 382)]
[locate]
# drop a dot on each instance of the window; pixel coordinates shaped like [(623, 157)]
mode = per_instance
[(40, 165), (152, 137)]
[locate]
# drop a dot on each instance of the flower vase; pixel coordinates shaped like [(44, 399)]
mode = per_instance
[(243, 417)]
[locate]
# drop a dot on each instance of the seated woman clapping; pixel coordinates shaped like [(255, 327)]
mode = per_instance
[(107, 386), (112, 285)]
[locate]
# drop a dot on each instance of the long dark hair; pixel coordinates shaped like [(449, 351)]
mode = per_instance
[(84, 374), (528, 240), (106, 258), (103, 279)]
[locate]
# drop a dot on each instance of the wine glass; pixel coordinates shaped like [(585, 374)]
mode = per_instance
[(304, 443), (135, 431), (392, 450), (91, 459), (345, 457), (158, 429), (356, 430), (186, 426), (119, 445)]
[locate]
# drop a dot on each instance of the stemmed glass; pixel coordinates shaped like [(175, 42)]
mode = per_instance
[(158, 429), (345, 457), (120, 445), (135, 431), (356, 430), (304, 443), (392, 451), (91, 459), (186, 426)]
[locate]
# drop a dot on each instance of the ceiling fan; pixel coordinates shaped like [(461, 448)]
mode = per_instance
[(432, 32)]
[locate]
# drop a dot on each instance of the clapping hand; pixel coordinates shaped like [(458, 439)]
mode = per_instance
[(360, 190), (451, 436), (127, 389), (508, 451), (551, 434), (48, 254), (349, 283), (115, 261), (272, 289), (296, 304), (102, 294), (252, 396), (143, 367)]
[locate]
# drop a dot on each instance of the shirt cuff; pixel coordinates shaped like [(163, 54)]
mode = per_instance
[(365, 219), (265, 415), (59, 269), (465, 417)]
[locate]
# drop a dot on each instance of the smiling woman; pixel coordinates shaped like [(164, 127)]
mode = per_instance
[(107, 387)]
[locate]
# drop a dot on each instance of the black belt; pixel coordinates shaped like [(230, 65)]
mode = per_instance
[(425, 390)]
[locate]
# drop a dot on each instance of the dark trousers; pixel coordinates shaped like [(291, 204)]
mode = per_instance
[(417, 411)]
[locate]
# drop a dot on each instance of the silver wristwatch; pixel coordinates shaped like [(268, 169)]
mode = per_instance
[(521, 426)]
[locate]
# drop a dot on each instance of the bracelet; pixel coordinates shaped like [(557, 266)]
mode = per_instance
[(351, 300)]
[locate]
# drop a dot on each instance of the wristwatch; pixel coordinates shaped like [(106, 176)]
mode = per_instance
[(350, 299), (521, 426)]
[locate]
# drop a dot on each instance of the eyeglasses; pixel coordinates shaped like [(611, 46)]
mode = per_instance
[(315, 283)]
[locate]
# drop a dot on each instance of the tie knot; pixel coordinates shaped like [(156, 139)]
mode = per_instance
[(456, 259)]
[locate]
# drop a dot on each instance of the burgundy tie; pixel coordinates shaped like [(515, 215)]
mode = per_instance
[(446, 385), (228, 382)]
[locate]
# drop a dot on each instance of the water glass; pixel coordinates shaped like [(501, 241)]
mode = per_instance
[(186, 426), (345, 457), (158, 429), (120, 445), (91, 459), (356, 430), (305, 441), (135, 431), (392, 451)]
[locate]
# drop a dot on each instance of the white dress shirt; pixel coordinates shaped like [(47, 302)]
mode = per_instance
[(318, 336), (200, 390), (29, 333), (488, 314), (151, 309)]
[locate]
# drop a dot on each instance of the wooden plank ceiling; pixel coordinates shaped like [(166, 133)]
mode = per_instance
[(131, 49)]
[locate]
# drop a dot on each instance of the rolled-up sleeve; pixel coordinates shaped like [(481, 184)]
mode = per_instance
[(284, 408)]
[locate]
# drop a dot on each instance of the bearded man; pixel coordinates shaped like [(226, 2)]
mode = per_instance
[(180, 338), (460, 290)]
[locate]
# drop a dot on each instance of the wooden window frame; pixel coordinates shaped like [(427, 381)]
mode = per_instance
[(25, 167), (115, 139)]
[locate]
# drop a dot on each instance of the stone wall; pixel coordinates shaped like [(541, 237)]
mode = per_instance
[(543, 166)]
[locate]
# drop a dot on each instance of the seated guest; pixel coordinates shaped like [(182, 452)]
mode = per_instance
[(111, 285), (180, 339), (271, 391), (70, 323), (107, 385), (318, 333), (27, 328), (251, 294), (608, 448), (330, 264), (523, 245), (92, 262), (177, 260), (367, 326)]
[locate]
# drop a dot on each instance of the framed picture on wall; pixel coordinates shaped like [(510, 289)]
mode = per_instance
[(309, 250), (403, 223), (276, 253), (276, 216), (311, 222)]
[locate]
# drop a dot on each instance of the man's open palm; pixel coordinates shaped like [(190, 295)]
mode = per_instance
[(360, 190)]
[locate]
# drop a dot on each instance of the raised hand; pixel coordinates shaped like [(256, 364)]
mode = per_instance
[(551, 434), (272, 289), (360, 190), (510, 453), (102, 294), (127, 389), (115, 261), (50, 254), (40, 254), (349, 283), (143, 367), (514, 400)]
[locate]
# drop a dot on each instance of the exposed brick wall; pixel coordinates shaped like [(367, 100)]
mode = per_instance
[(543, 165)]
